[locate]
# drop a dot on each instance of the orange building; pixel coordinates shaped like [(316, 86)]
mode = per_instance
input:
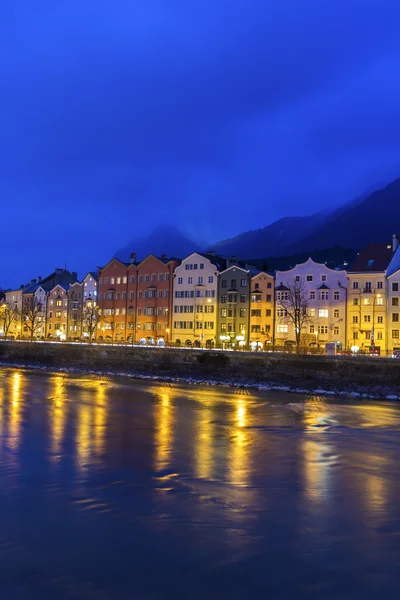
[(112, 300), (152, 292), (262, 311), (135, 300)]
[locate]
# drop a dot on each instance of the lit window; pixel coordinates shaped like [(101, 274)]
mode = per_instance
[(323, 312)]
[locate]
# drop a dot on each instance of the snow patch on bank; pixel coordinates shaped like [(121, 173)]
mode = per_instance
[(204, 382)]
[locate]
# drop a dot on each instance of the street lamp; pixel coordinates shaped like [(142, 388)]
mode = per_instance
[(167, 332)]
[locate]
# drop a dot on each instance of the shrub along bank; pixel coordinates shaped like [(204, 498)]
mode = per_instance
[(372, 376)]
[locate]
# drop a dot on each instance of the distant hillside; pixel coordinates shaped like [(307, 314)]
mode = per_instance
[(272, 239), (375, 219), (372, 217), (163, 240)]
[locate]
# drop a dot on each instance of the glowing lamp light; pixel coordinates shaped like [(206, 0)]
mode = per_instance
[(355, 349)]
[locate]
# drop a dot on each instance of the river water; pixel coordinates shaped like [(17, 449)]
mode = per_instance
[(119, 490)]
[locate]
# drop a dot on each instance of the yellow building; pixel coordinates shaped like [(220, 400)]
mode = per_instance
[(367, 300), (261, 311), (14, 301)]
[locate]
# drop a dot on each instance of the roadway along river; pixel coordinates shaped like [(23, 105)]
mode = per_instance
[(120, 490)]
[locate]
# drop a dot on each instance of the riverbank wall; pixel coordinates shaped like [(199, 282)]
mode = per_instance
[(369, 377)]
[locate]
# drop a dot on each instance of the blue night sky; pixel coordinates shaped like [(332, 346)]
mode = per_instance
[(216, 115)]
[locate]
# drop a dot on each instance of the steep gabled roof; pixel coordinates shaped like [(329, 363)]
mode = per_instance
[(93, 274), (263, 273), (217, 261), (124, 264), (374, 258)]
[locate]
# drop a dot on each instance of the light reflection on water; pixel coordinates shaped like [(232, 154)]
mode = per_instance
[(195, 480)]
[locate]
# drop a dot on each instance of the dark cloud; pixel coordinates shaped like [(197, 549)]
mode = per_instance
[(218, 115)]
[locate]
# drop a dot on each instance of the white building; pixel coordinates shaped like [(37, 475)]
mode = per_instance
[(40, 299), (393, 300), (90, 287), (325, 298), (195, 288)]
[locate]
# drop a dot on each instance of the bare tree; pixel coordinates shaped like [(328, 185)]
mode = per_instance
[(110, 323), (91, 317), (32, 316), (8, 314), (131, 324), (292, 299)]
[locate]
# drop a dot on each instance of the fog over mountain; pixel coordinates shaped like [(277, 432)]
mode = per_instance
[(374, 216)]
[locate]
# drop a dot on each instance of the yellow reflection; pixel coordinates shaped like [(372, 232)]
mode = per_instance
[(239, 458), (1, 417), (57, 414), (100, 418), (376, 492), (164, 429), (203, 445), (15, 410), (83, 434), (317, 465), (91, 424)]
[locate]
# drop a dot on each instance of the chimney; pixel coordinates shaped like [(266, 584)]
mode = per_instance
[(133, 258), (39, 279), (163, 256), (59, 271), (395, 242), (74, 275), (212, 253), (33, 281), (231, 262)]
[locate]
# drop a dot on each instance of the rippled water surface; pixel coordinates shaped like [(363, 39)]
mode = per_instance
[(114, 490)]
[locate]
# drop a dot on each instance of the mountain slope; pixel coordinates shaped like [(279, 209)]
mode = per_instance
[(375, 219), (272, 239), (163, 240)]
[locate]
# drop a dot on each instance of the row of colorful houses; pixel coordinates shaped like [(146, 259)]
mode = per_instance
[(207, 301)]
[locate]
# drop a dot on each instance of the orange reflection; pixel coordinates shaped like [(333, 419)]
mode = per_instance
[(164, 429), (239, 452), (15, 410)]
